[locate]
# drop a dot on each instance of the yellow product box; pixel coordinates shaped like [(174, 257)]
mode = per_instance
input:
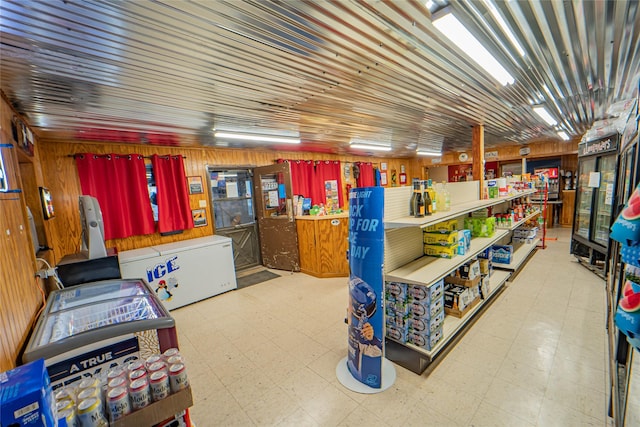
[(441, 251), (442, 227), (443, 239)]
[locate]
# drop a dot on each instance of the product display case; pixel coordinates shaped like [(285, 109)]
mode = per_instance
[(624, 360), (112, 321), (595, 198)]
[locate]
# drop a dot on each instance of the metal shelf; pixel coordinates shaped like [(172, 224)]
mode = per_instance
[(456, 211), (427, 270), (518, 257), (452, 325)]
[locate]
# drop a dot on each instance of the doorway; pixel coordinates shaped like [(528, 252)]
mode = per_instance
[(234, 216)]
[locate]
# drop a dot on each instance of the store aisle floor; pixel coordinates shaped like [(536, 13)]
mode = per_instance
[(266, 355)]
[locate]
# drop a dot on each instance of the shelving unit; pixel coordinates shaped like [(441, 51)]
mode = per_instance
[(405, 262), (427, 270), (520, 254)]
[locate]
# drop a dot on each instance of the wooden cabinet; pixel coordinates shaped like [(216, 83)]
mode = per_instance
[(322, 241), (568, 203)]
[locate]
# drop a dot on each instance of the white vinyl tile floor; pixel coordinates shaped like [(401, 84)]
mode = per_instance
[(266, 355)]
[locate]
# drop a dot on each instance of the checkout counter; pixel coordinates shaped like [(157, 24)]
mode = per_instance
[(323, 244)]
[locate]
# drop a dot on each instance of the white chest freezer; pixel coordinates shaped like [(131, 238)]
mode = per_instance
[(84, 330), (183, 272)]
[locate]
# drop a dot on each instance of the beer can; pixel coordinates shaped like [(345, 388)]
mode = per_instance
[(157, 366), (87, 383), (118, 403), (135, 365), (116, 372), (89, 392), (65, 393), (90, 413), (137, 374), (170, 352), (178, 377), (69, 415), (117, 382), (153, 359), (159, 383), (63, 404), (175, 359), (139, 393)]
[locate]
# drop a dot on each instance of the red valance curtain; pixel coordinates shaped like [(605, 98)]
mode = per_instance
[(302, 172), (119, 183), (366, 177), (174, 209), (326, 170)]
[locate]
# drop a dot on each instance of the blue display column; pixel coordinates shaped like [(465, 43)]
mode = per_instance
[(365, 369)]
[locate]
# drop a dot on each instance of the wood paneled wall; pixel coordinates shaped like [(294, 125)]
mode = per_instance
[(20, 297), (60, 174)]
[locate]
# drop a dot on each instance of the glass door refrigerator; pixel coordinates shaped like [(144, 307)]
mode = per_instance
[(624, 360), (87, 329), (595, 199)]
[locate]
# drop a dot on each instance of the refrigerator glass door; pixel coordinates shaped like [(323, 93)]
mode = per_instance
[(604, 200), (584, 197)]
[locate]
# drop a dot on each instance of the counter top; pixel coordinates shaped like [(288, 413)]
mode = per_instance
[(321, 217)]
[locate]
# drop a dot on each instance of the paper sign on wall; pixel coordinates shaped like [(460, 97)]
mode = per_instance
[(594, 179)]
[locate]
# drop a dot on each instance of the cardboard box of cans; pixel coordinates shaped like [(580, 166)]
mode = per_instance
[(443, 239), (458, 300), (426, 341), (441, 251), (442, 227), (26, 397), (412, 308)]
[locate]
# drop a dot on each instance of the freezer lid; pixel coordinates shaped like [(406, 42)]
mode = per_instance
[(185, 245), (83, 316), (137, 255), (95, 292)]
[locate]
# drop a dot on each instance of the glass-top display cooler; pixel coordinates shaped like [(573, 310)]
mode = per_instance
[(85, 330)]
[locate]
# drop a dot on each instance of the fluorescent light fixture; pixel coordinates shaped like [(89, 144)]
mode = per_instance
[(453, 29), (563, 135), (256, 137), (428, 153), (505, 27), (544, 114), (371, 147)]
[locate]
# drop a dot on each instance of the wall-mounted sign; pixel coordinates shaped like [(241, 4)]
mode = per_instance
[(524, 151), (463, 157), (603, 145), (490, 155)]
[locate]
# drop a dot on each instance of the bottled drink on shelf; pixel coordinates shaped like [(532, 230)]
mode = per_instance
[(447, 196), (417, 202), (428, 202), (412, 200), (432, 195)]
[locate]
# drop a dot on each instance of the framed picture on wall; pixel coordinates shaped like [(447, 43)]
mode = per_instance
[(199, 217), (47, 203), (195, 184), (383, 178)]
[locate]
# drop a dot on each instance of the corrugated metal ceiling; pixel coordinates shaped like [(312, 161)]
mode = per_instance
[(376, 70)]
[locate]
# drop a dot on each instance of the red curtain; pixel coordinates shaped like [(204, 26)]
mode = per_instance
[(326, 170), (366, 177), (301, 176), (119, 182), (174, 209)]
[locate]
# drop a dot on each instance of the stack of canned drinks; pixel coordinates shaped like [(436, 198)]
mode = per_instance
[(94, 402)]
